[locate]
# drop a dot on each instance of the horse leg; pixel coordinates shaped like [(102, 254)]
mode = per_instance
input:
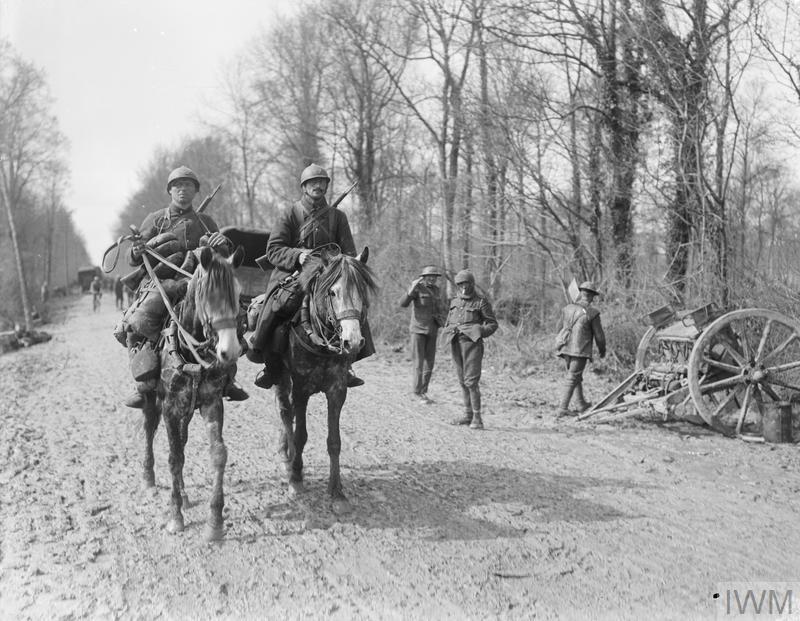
[(173, 421), (213, 416), (286, 439), (339, 502), (184, 436), (299, 405), (151, 418)]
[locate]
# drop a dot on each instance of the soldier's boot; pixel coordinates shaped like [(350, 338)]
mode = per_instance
[(464, 420), (566, 397), (234, 392), (352, 379), (477, 422), (581, 402), (271, 373), (137, 399)]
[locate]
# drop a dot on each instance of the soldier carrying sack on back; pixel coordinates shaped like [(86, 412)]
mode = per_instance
[(580, 327), (173, 232), (309, 224)]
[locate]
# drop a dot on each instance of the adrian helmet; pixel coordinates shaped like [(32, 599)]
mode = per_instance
[(314, 171), (430, 270), (588, 285), (182, 172), (465, 276)]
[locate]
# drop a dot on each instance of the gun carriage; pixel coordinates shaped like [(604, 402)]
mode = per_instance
[(727, 369)]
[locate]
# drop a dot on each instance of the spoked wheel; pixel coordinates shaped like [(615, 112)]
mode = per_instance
[(740, 364)]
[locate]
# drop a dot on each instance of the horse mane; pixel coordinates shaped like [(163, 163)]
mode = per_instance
[(312, 266), (215, 291), (354, 274)]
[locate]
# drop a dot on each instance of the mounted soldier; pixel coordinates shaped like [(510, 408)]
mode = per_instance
[(309, 225), (174, 233)]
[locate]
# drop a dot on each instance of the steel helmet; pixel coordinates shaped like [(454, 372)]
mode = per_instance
[(314, 171), (430, 270), (465, 276), (182, 172), (588, 285)]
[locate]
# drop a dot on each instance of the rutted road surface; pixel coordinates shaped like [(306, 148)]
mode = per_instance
[(528, 519)]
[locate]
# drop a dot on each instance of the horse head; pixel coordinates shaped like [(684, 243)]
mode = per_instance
[(340, 299), (216, 300)]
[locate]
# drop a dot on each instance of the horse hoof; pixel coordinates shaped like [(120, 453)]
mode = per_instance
[(214, 533), (341, 506), (185, 501), (148, 480), (175, 525)]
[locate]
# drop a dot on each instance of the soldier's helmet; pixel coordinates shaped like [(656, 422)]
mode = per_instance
[(314, 171), (465, 277), (182, 172), (430, 270), (588, 285)]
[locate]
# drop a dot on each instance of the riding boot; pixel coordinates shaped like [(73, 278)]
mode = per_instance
[(566, 397), (477, 422), (582, 403), (352, 379), (137, 399), (270, 374), (234, 392)]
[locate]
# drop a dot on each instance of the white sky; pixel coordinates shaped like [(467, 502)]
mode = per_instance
[(127, 76)]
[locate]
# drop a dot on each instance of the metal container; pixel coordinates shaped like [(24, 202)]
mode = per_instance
[(776, 423), (660, 317)]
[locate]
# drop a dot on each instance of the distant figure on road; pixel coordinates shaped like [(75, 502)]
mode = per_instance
[(96, 289), (45, 292), (581, 327), (118, 288), (470, 320), (427, 316)]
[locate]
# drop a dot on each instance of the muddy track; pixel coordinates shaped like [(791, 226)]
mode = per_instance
[(528, 519)]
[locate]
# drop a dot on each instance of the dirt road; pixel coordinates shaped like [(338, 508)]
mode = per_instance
[(528, 519)]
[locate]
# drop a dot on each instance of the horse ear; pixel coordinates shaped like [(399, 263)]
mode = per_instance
[(364, 255), (237, 258), (205, 256)]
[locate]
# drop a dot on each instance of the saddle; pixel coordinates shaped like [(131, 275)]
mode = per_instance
[(269, 313)]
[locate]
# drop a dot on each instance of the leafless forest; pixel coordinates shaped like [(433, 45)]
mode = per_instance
[(647, 144)]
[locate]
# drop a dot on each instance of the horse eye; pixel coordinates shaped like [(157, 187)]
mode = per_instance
[(332, 293)]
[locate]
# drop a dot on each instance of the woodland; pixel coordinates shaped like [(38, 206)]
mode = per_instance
[(647, 145)]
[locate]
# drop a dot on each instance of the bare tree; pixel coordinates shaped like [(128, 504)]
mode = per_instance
[(29, 143)]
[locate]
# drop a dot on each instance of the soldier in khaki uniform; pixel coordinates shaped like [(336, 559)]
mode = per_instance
[(583, 322), (470, 320), (309, 224), (427, 316), (186, 230)]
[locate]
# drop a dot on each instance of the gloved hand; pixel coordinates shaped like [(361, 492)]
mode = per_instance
[(137, 243), (215, 240), (303, 256)]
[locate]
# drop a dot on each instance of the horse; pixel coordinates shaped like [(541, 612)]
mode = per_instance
[(317, 358), (206, 327)]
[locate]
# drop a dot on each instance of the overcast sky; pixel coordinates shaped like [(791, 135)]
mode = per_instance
[(127, 76)]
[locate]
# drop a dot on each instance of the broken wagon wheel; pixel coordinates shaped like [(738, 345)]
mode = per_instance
[(741, 363)]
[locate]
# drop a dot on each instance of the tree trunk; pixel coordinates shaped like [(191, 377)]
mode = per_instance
[(23, 284)]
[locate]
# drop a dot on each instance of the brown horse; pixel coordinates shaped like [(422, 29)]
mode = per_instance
[(338, 291), (195, 362)]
